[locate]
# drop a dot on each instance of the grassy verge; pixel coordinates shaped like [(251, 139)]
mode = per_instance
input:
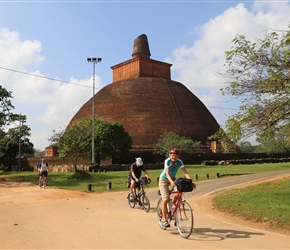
[(118, 178), (267, 203)]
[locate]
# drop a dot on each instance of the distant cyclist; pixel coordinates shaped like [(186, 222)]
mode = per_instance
[(167, 178), (43, 171), (135, 173)]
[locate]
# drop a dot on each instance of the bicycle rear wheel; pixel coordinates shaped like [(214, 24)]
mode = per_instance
[(131, 200), (145, 203), (184, 219)]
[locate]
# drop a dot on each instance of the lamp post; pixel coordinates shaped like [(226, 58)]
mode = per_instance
[(94, 61), (19, 143)]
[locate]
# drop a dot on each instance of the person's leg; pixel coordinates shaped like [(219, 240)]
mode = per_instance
[(132, 185), (174, 199), (164, 190), (164, 209), (137, 191), (40, 179)]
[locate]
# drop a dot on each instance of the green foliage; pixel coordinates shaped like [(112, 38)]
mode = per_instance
[(258, 74), (275, 141), (223, 138), (76, 141), (38, 153), (5, 106), (9, 141), (55, 138), (110, 140), (170, 140), (245, 147)]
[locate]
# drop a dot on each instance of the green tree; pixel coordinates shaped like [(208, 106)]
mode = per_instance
[(55, 138), (275, 141), (75, 141), (111, 140), (9, 142), (38, 153), (221, 137), (170, 140), (5, 106), (258, 74), (245, 147)]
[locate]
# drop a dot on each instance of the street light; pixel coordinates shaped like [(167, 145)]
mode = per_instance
[(19, 142), (94, 61)]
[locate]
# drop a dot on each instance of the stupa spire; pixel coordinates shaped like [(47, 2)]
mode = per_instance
[(141, 47)]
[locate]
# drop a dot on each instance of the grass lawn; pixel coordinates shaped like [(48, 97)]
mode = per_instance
[(267, 202), (118, 178)]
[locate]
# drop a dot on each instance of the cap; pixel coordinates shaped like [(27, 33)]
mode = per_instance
[(139, 161)]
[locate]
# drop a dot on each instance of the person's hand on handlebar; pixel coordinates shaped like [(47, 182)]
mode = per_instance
[(136, 179)]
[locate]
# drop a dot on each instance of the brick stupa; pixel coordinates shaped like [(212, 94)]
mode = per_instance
[(148, 103)]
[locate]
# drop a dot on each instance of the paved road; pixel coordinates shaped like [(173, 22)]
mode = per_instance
[(34, 218)]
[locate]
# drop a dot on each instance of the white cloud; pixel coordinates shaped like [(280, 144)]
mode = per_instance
[(48, 104), (197, 65)]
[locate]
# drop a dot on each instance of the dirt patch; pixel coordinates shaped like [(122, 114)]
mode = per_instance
[(206, 206), (22, 192)]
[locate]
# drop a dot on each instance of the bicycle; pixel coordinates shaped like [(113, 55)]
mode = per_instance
[(141, 199), (180, 212), (43, 183)]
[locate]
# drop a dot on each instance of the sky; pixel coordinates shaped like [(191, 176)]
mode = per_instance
[(44, 46)]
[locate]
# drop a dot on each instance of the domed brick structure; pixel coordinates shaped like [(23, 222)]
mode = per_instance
[(148, 103)]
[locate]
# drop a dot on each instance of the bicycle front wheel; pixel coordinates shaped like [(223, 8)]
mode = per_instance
[(131, 200), (145, 203), (159, 213), (184, 219)]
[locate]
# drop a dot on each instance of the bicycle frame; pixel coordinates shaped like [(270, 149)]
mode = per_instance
[(139, 198), (176, 204)]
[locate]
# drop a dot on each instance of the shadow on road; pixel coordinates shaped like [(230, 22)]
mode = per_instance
[(209, 234)]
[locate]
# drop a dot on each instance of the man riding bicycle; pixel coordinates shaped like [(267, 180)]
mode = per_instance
[(43, 172), (135, 173), (167, 178)]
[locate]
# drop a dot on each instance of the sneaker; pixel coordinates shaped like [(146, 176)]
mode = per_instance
[(165, 224)]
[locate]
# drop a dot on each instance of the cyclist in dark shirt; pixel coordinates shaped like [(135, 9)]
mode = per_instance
[(135, 173)]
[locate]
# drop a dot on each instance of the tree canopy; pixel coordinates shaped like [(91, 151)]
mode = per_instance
[(5, 106), (258, 74), (170, 140), (14, 137), (110, 140)]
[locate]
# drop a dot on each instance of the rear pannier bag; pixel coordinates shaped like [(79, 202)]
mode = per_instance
[(184, 185)]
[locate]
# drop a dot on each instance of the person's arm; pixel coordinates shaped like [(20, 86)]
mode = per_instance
[(146, 174), (167, 172)]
